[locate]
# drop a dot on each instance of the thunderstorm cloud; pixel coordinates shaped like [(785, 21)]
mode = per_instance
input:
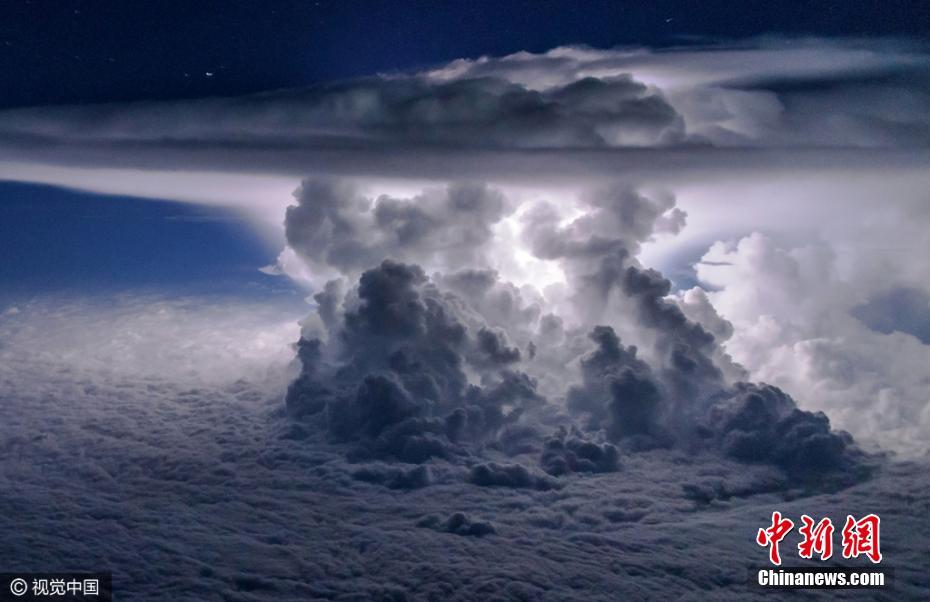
[(575, 322)]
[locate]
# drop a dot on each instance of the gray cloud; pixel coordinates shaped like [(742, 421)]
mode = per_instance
[(761, 423), (236, 506), (393, 477), (458, 524), (685, 114), (619, 391), (392, 374), (478, 112), (518, 476), (761, 92), (333, 225), (411, 370), (751, 94), (566, 453)]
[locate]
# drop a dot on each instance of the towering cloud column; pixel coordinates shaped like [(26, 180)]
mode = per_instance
[(420, 349)]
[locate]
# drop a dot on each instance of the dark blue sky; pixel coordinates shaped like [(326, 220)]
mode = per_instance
[(77, 51), (54, 240), (70, 51)]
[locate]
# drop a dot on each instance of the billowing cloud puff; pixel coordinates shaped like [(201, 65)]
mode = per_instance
[(820, 322), (773, 92), (760, 423), (459, 524), (458, 366), (507, 475), (334, 226), (392, 373), (619, 392), (566, 453)]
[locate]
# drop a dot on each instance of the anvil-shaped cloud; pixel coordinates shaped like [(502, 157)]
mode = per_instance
[(797, 137), (497, 393)]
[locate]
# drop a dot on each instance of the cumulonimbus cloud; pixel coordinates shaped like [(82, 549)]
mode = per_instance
[(549, 124), (433, 359), (408, 367)]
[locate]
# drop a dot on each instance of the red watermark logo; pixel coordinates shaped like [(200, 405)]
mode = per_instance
[(860, 537)]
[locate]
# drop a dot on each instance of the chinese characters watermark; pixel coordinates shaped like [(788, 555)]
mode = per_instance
[(67, 586), (859, 537)]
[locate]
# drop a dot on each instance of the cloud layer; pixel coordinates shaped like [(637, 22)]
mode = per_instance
[(232, 499), (694, 112), (753, 94)]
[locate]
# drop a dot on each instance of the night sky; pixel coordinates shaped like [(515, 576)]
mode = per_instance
[(56, 239), (462, 301), (79, 51)]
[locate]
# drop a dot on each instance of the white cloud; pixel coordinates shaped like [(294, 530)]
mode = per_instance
[(792, 308), (192, 341)]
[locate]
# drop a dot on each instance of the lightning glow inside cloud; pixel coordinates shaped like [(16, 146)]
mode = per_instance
[(439, 169)]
